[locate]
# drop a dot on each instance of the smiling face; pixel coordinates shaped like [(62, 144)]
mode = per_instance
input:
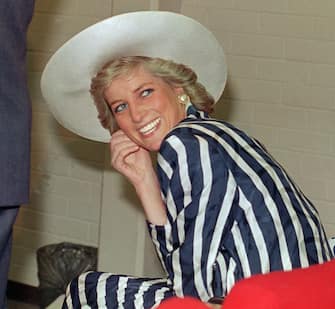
[(145, 107)]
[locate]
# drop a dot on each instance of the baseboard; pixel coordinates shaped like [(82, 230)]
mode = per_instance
[(22, 293)]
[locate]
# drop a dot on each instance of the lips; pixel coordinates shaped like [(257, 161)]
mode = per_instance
[(150, 127)]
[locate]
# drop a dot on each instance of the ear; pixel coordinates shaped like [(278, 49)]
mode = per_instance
[(179, 90)]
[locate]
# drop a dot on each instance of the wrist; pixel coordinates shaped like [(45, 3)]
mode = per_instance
[(152, 203)]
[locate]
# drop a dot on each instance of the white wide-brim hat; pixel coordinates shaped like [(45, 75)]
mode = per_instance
[(66, 79)]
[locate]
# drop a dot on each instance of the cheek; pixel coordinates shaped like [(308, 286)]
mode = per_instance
[(167, 105), (159, 103), (123, 124), (173, 110)]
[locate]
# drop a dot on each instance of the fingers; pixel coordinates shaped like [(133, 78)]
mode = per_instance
[(121, 147), (120, 140), (118, 137)]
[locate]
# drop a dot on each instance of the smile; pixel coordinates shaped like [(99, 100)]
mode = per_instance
[(150, 127)]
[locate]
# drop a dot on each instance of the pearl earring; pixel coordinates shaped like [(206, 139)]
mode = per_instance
[(183, 98)]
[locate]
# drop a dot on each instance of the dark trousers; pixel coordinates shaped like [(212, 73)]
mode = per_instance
[(7, 219)]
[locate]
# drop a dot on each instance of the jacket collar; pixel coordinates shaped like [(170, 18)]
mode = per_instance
[(192, 112)]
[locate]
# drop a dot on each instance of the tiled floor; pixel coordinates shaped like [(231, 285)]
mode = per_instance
[(17, 305), (56, 304)]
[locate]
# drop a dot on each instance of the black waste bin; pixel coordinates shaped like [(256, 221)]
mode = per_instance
[(58, 264)]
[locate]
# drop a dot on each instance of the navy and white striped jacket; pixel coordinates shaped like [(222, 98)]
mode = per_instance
[(232, 212)]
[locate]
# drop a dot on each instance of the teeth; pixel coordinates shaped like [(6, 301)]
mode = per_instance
[(150, 126)]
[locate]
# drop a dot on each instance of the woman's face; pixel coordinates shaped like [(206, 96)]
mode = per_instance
[(145, 107)]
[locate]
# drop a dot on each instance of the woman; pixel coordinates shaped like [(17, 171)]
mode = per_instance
[(219, 208)]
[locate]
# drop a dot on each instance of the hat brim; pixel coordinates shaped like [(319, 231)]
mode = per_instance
[(66, 79)]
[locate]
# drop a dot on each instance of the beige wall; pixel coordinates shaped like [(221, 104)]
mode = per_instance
[(281, 57)]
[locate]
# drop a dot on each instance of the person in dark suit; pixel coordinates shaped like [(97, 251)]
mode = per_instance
[(15, 123)]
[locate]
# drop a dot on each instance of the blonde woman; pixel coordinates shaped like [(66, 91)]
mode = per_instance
[(219, 207)]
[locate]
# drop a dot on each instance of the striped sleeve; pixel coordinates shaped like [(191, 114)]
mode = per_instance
[(106, 290), (194, 192), (226, 196)]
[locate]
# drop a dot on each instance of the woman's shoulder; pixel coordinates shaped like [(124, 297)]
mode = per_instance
[(192, 127), (189, 132), (216, 133)]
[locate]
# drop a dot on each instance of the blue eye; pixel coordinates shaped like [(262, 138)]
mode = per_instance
[(121, 107), (146, 92)]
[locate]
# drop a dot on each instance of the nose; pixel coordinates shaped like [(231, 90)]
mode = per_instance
[(136, 112)]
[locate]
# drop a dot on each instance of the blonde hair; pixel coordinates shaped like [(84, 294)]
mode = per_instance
[(177, 75)]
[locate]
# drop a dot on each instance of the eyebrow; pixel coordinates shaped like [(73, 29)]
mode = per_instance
[(133, 91), (142, 86)]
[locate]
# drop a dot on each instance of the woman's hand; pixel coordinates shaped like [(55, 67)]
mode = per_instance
[(134, 162), (131, 160)]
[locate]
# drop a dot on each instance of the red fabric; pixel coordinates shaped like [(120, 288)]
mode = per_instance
[(182, 303), (308, 288)]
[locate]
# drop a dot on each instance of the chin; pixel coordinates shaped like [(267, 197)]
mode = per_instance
[(152, 147)]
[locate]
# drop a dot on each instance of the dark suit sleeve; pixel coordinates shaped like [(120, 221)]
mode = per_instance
[(15, 109)]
